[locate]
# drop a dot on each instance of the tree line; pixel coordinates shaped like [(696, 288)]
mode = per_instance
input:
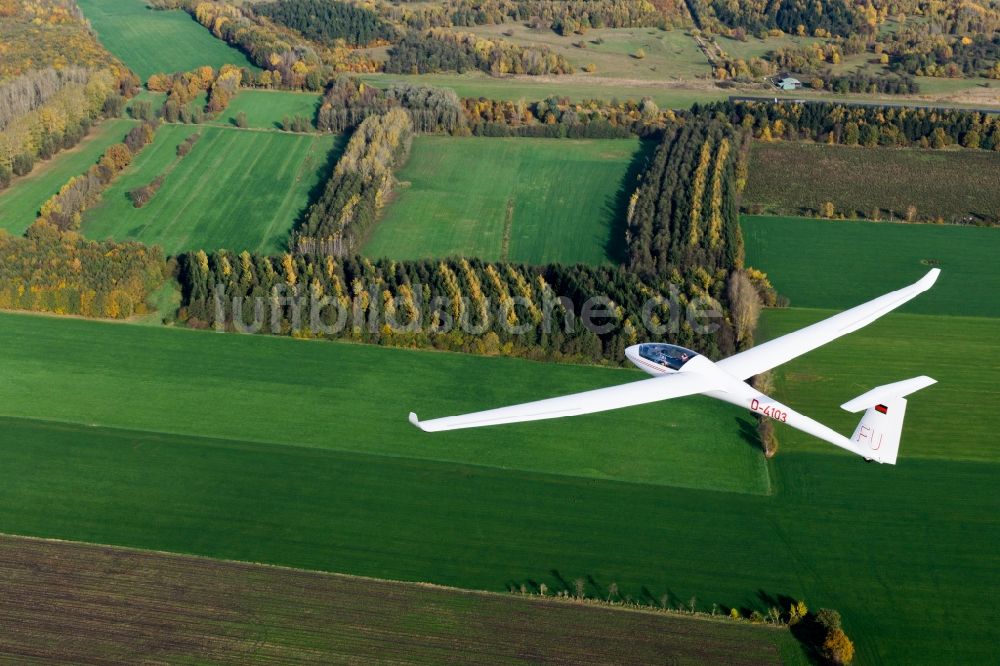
[(183, 87), (65, 116), (563, 16), (829, 122), (440, 50), (348, 101), (339, 220), (455, 304), (64, 209), (558, 117), (327, 21)]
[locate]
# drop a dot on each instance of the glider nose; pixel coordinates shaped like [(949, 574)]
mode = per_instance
[(632, 353)]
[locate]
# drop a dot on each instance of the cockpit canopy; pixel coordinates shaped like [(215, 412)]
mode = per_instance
[(669, 356)]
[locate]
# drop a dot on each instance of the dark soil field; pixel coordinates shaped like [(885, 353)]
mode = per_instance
[(954, 185), (80, 603)]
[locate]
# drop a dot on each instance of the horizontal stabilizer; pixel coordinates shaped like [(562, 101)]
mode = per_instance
[(877, 435), (881, 394)]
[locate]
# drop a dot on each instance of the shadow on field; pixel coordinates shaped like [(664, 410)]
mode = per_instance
[(324, 173), (617, 206), (807, 631), (748, 433)]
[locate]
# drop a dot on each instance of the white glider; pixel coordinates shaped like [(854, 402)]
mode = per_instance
[(679, 372)]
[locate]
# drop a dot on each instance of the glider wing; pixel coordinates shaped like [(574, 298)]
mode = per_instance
[(773, 353), (598, 400)]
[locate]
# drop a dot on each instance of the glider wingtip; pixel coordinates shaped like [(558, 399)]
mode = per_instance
[(414, 420), (928, 280)]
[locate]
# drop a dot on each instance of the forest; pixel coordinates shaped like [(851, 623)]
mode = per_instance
[(49, 270), (327, 21), (48, 33), (836, 17), (563, 16), (440, 50)]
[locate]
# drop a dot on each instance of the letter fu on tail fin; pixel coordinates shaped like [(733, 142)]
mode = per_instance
[(878, 432)]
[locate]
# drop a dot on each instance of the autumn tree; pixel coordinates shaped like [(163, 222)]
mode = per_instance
[(744, 307)]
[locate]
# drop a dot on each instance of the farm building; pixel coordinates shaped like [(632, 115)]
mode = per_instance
[(788, 83)]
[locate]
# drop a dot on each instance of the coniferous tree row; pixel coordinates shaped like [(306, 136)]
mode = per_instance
[(455, 304), (342, 216), (326, 21), (829, 122), (440, 50), (684, 216)]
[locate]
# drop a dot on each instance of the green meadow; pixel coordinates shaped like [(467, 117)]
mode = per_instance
[(668, 54), (356, 398), (236, 189), (530, 200), (267, 109), (838, 264), (906, 553), (577, 87), (956, 419), (151, 41), (20, 202)]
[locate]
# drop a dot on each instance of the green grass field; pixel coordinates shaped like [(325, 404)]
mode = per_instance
[(801, 257), (906, 553), (356, 398), (266, 108), (232, 612), (955, 419), (758, 48), (577, 87), (669, 55), (20, 202), (151, 41), (955, 184), (531, 200), (236, 189)]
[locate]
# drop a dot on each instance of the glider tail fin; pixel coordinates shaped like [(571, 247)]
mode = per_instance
[(879, 430)]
